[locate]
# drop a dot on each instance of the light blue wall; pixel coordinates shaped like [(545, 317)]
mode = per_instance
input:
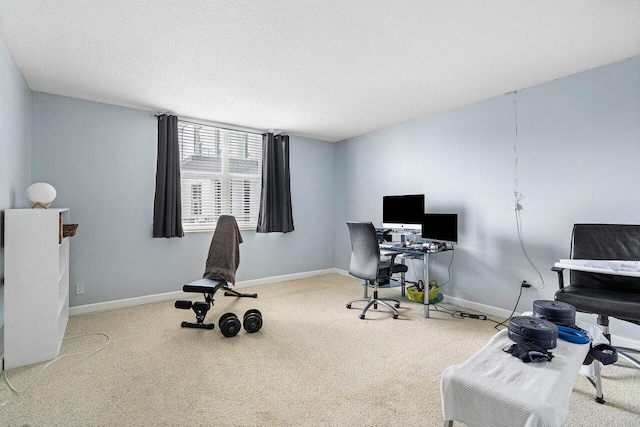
[(15, 150), (578, 149), (102, 160)]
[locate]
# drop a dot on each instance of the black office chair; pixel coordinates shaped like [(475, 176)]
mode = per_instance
[(604, 294), (366, 264)]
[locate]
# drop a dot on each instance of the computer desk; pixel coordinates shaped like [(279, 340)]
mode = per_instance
[(415, 251)]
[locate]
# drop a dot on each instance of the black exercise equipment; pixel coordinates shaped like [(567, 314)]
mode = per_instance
[(229, 325), (252, 321), (207, 287), (563, 315), (558, 312), (603, 353), (200, 308), (220, 272), (526, 329)]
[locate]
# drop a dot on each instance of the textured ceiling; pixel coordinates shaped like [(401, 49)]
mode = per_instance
[(323, 69)]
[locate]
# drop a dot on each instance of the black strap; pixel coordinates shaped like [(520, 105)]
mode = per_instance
[(529, 352), (603, 353)]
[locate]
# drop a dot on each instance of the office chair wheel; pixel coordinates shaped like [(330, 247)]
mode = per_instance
[(362, 316), (349, 306), (395, 316), (397, 305)]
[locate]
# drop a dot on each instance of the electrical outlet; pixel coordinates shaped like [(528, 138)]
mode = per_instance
[(299, 263), (80, 289)]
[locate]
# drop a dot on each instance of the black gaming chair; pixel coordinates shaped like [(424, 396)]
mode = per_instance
[(366, 264)]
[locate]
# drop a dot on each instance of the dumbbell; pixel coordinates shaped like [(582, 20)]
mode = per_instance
[(229, 325), (252, 321)]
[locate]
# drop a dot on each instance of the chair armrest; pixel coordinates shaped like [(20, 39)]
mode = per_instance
[(390, 253), (560, 276), (393, 256)]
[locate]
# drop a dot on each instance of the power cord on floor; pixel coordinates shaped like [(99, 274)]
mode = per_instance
[(452, 312), (459, 314), (6, 378)]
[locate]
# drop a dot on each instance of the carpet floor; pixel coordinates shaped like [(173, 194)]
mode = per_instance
[(314, 363)]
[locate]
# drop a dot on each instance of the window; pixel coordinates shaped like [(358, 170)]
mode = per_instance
[(221, 173), (196, 199)]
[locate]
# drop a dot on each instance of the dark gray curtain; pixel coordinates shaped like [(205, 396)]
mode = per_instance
[(167, 208), (275, 201)]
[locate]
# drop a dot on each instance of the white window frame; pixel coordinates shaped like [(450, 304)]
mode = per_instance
[(215, 198)]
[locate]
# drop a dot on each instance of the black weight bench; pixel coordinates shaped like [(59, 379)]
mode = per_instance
[(207, 287)]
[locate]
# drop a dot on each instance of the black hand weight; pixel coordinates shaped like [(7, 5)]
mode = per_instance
[(557, 312), (229, 325), (252, 321), (524, 329)]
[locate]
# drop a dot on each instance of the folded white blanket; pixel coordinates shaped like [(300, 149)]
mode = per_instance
[(493, 388), (617, 267)]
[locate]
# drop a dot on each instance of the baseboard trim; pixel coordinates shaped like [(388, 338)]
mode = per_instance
[(168, 296), (283, 278), (482, 308), (504, 314), (341, 271)]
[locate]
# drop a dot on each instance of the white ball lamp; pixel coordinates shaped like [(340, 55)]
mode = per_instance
[(41, 194)]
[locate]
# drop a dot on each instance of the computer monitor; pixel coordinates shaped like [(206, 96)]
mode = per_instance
[(400, 212), (442, 228)]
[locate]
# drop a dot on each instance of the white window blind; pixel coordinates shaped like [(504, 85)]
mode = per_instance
[(221, 173)]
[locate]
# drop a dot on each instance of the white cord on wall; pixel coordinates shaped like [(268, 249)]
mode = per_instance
[(58, 358), (517, 195)]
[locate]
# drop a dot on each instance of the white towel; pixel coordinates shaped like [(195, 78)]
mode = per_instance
[(494, 388)]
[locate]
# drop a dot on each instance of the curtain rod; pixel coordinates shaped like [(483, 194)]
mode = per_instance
[(219, 125)]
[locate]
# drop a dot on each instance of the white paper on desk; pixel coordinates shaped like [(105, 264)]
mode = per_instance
[(618, 267)]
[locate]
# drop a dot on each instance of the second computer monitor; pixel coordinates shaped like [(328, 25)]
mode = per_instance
[(441, 228), (403, 211)]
